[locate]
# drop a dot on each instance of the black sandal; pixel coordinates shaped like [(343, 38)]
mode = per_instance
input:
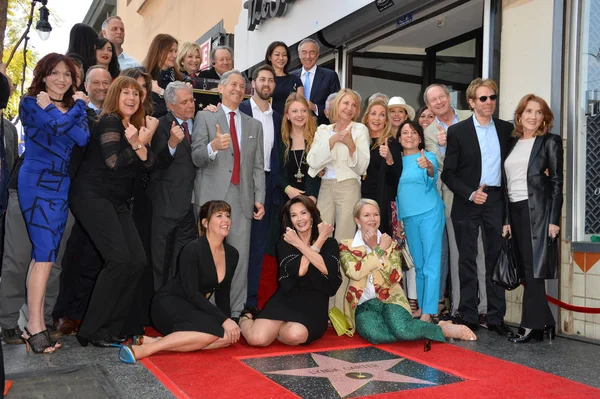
[(55, 344), (414, 308), (39, 343)]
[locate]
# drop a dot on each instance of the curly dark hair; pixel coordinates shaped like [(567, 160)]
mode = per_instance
[(311, 207), (113, 66), (44, 68), (416, 127)]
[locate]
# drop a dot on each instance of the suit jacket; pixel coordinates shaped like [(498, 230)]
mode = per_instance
[(209, 73), (246, 108), (214, 176), (172, 184), (545, 198), (431, 145), (324, 83), (462, 168), (11, 143)]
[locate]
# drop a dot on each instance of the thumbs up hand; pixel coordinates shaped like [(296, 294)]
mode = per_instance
[(442, 136), (479, 196), (221, 141), (384, 151), (425, 163), (176, 135)]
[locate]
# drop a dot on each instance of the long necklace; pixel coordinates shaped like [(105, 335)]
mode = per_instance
[(299, 175)]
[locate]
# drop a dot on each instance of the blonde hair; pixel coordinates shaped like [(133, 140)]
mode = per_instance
[(387, 130), (310, 127), (184, 50), (335, 104), (362, 202)]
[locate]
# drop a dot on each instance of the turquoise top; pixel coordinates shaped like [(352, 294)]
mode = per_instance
[(417, 192)]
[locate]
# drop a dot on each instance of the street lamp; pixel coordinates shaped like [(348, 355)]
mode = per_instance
[(43, 26)]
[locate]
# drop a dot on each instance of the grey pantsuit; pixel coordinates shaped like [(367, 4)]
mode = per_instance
[(15, 265)]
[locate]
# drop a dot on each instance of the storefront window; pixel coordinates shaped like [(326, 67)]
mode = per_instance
[(586, 206)]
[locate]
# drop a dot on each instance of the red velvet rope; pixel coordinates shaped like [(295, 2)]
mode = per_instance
[(573, 308)]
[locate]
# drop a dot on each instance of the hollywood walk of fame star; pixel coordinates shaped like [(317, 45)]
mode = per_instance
[(347, 377)]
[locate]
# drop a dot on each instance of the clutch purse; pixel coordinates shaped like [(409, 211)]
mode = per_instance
[(339, 322)]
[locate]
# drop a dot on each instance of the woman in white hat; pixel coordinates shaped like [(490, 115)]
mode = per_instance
[(400, 111)]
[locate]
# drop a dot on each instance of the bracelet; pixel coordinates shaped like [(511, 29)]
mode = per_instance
[(286, 187), (315, 248), (138, 146), (380, 252)]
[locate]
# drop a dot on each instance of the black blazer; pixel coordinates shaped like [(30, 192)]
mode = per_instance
[(196, 280), (324, 83), (462, 166), (209, 74), (172, 184), (545, 198), (273, 177)]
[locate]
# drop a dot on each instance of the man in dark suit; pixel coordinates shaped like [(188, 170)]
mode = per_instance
[(476, 149), (171, 186), (221, 58), (259, 107), (318, 82), (228, 152)]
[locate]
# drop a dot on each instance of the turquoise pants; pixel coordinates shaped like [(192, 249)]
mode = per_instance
[(384, 323), (424, 236)]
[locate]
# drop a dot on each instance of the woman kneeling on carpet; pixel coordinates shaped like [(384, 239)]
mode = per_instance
[(309, 273), (181, 309), (375, 303)]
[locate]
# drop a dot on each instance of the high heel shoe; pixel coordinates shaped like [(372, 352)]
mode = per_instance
[(538, 335), (55, 344), (39, 343), (126, 354), (550, 332)]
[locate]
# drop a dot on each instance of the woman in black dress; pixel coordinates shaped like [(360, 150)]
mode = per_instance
[(181, 309), (106, 55), (278, 57), (100, 199), (309, 273), (161, 65), (385, 167)]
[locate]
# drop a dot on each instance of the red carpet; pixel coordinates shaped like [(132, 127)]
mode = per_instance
[(220, 374)]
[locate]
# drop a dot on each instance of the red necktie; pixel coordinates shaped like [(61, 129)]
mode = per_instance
[(186, 132), (235, 176)]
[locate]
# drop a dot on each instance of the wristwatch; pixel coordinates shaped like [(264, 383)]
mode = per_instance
[(138, 147)]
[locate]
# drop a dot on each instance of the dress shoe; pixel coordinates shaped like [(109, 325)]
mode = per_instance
[(502, 329), (457, 319), (12, 336), (105, 343), (66, 325), (550, 331), (538, 335), (119, 339)]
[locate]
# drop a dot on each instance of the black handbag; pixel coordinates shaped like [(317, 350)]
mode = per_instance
[(506, 271)]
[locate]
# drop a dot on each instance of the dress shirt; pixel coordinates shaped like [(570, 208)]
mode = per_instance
[(491, 174), (96, 109), (442, 124), (238, 128), (312, 71), (266, 118), (180, 122), (126, 61)]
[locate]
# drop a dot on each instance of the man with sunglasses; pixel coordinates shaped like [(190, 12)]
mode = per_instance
[(476, 149)]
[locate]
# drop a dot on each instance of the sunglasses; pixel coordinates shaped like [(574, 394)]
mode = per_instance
[(493, 97)]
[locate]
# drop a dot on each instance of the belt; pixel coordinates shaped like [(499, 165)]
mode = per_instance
[(491, 189)]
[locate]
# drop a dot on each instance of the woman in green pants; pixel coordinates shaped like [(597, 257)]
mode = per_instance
[(375, 303)]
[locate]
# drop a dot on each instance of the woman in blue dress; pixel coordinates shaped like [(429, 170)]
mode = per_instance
[(422, 210), (54, 118)]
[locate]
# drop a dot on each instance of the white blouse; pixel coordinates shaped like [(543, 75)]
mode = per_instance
[(516, 166)]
